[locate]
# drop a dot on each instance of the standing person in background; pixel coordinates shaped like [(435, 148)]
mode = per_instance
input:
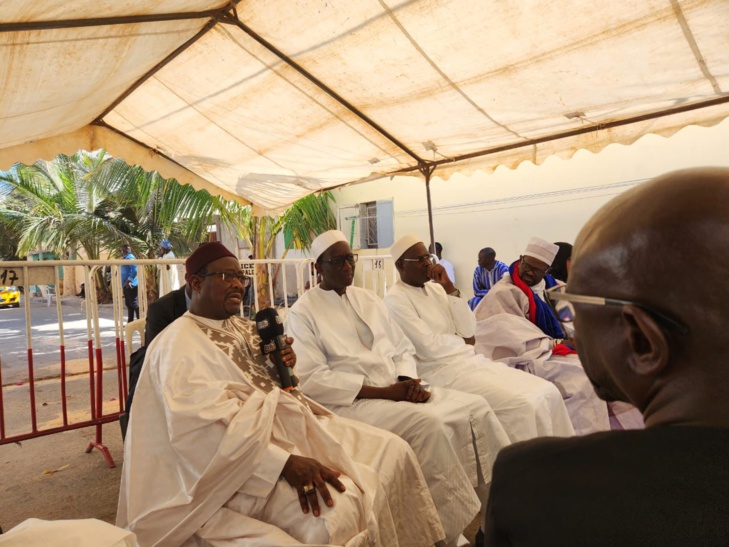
[(129, 283), (168, 278), (443, 262), (488, 272)]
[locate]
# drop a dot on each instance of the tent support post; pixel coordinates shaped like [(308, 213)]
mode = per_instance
[(427, 170)]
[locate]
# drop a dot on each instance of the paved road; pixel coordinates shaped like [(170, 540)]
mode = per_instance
[(46, 340)]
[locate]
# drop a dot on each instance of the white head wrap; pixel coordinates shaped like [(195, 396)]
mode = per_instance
[(403, 244), (541, 250), (324, 241)]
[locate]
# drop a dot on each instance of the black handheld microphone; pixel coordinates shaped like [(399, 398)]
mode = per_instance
[(273, 340)]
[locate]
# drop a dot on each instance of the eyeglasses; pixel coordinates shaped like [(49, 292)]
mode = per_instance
[(227, 277), (340, 260), (559, 292), (420, 259), (531, 268)]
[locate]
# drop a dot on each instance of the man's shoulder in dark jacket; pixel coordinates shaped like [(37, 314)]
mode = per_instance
[(164, 311), (660, 486)]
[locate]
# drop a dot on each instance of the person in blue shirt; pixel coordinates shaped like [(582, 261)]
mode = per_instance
[(488, 272), (129, 283)]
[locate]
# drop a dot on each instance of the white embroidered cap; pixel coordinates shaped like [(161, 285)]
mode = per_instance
[(324, 241), (403, 244), (541, 250)]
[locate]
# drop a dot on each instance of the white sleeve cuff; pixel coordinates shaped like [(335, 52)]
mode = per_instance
[(406, 367)]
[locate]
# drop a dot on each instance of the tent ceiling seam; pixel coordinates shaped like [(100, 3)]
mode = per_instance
[(167, 149), (625, 30), (321, 85), (156, 68), (573, 133), (694, 46), (442, 74)]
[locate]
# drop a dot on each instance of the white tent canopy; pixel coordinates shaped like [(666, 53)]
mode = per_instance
[(268, 101)]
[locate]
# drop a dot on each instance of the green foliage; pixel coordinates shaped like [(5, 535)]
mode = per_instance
[(53, 207), (9, 240), (307, 218), (301, 223), (95, 202), (149, 208)]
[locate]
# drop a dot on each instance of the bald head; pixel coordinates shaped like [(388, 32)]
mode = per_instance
[(645, 242), (663, 245)]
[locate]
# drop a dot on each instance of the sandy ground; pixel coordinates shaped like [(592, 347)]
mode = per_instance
[(51, 477)]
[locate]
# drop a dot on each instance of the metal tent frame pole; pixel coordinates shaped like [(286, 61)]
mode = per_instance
[(427, 170)]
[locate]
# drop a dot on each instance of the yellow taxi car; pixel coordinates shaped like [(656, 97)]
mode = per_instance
[(9, 296)]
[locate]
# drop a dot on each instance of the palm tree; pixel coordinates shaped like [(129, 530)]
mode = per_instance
[(149, 208), (11, 233), (94, 202), (54, 209)]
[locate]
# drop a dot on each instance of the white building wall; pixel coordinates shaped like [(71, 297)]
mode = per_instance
[(553, 200)]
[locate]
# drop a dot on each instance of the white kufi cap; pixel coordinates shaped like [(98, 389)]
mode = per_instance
[(541, 250), (403, 244), (324, 241)]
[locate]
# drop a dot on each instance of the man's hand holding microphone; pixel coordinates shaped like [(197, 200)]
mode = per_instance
[(277, 346)]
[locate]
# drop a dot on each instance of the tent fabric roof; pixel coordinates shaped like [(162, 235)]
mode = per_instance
[(269, 101)]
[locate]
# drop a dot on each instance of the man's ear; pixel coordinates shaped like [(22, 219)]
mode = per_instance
[(195, 282), (649, 350)]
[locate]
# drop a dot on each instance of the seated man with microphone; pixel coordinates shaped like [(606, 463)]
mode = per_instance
[(217, 451)]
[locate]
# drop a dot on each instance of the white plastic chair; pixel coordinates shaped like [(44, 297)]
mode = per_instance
[(50, 295), (130, 329)]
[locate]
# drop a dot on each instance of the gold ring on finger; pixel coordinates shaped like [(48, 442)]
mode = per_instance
[(308, 488)]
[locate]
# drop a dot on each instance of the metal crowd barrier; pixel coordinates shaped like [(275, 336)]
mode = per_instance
[(295, 276)]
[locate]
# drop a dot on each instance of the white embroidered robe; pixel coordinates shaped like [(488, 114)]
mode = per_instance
[(209, 434)]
